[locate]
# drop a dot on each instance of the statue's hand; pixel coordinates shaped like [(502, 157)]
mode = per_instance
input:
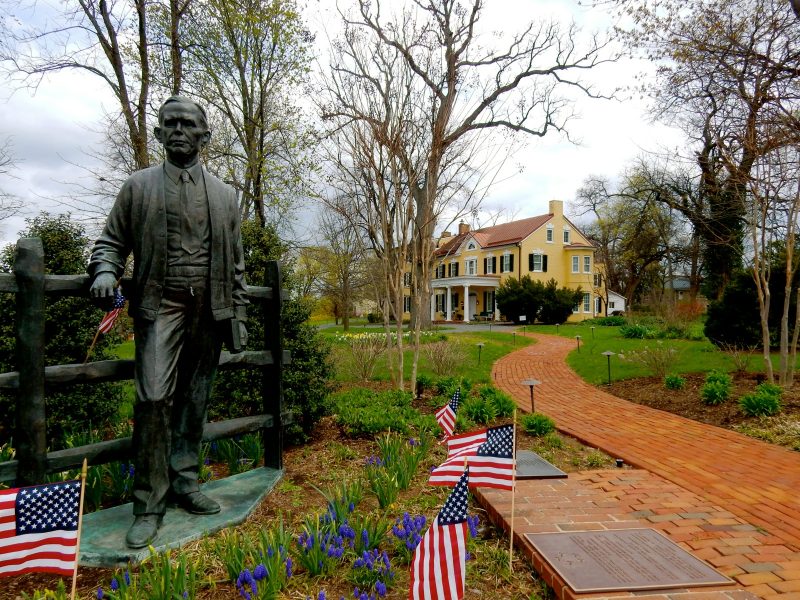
[(243, 334), (102, 290)]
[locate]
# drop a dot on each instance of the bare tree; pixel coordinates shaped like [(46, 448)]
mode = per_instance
[(108, 39), (726, 68), (10, 204), (461, 90), (342, 260)]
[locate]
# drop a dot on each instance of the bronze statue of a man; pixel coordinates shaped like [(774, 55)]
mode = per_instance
[(182, 226)]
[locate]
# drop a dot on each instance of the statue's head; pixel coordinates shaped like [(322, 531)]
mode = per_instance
[(182, 129)]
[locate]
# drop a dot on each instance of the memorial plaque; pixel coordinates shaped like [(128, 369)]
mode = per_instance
[(622, 560), (532, 466)]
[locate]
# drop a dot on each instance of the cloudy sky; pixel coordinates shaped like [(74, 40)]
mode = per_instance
[(52, 129)]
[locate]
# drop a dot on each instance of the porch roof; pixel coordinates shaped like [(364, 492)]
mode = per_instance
[(492, 281)]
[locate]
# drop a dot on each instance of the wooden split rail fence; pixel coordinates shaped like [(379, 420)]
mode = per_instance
[(32, 379)]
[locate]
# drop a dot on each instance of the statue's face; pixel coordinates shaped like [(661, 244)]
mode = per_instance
[(182, 132)]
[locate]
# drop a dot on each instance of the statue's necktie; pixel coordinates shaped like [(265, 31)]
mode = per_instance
[(188, 235)]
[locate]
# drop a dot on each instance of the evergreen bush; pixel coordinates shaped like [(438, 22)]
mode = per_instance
[(537, 424)]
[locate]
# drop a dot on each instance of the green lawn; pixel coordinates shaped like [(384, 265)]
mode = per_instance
[(495, 345), (592, 365)]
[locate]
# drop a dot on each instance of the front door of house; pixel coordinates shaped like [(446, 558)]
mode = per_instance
[(473, 306)]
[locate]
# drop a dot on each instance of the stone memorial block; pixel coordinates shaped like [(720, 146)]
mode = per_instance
[(622, 560), (532, 466)]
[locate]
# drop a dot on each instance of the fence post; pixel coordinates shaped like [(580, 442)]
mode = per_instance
[(272, 375), (30, 437)]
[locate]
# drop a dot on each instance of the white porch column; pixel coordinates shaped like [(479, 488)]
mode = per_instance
[(496, 310), (433, 307), (449, 304), (466, 304)]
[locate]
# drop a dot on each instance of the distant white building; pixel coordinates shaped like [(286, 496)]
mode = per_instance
[(616, 302)]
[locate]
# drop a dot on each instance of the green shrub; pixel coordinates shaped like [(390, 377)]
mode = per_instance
[(719, 376), (637, 331), (447, 386), (674, 382), (503, 404), (613, 321), (70, 326), (362, 412), (478, 410), (537, 424), (717, 388), (764, 402), (424, 382)]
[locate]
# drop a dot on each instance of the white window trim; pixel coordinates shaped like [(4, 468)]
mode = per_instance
[(587, 264), (471, 262), (549, 235), (504, 261), (566, 236), (587, 302), (576, 264), (471, 246), (489, 261), (541, 262)]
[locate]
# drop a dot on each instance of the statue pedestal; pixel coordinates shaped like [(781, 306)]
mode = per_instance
[(103, 536)]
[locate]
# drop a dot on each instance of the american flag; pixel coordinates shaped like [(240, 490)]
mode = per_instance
[(490, 454), (39, 528), (446, 416), (437, 569), (111, 317)]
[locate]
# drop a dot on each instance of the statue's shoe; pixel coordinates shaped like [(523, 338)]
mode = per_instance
[(197, 503), (143, 531)]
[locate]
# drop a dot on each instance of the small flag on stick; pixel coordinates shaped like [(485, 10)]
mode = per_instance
[(437, 568), (446, 416), (107, 323), (490, 453), (39, 528)]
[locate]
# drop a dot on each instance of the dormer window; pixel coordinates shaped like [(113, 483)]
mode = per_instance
[(471, 246)]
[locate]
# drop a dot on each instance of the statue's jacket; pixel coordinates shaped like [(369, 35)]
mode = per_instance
[(138, 223)]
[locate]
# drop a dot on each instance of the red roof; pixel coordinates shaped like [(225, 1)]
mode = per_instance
[(498, 235)]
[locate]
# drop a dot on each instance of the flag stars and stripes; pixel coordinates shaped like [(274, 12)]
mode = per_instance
[(490, 454), (446, 416)]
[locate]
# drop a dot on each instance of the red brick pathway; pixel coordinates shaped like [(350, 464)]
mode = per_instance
[(757, 483)]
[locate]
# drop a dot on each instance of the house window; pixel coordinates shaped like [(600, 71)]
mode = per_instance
[(471, 246), (587, 303), (536, 262), (549, 234), (598, 305), (407, 279), (488, 301), (576, 308), (407, 304), (489, 265), (452, 269), (611, 304), (440, 302), (471, 266), (587, 264), (566, 236), (576, 264), (598, 280), (506, 263)]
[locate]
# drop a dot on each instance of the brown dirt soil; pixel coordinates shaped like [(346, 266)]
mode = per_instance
[(650, 391)]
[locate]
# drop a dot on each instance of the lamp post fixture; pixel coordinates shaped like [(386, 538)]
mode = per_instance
[(608, 354), (480, 347), (514, 337), (592, 328), (531, 383), (578, 339), (557, 325)]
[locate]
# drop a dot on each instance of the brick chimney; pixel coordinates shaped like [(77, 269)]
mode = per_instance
[(463, 228)]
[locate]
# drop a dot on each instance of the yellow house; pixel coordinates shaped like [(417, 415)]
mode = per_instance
[(468, 267)]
